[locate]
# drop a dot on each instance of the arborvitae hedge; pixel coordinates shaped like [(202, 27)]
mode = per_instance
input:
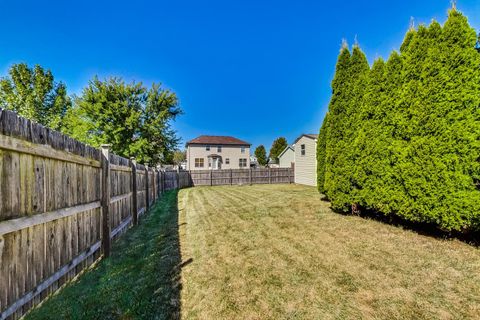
[(404, 137), (348, 90)]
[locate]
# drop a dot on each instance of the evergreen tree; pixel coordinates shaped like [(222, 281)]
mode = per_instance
[(335, 134), (322, 154), (261, 155), (359, 70), (441, 159), (370, 135), (382, 188), (342, 189), (278, 146)]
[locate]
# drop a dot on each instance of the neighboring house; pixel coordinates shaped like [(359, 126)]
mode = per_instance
[(253, 162), (287, 157), (306, 159), (272, 163), (183, 165), (217, 152)]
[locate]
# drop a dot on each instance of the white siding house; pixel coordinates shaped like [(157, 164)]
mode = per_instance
[(217, 152), (306, 159), (287, 157)]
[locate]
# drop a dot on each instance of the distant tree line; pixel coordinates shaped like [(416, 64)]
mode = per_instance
[(402, 138), (134, 119)]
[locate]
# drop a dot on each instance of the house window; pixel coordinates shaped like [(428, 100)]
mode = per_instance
[(219, 148), (302, 149), (242, 149), (242, 163), (199, 162), (207, 148), (227, 160), (209, 162)]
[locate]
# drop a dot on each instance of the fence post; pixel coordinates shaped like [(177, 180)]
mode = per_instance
[(177, 173), (250, 176), (231, 176), (159, 191), (105, 200), (133, 165), (154, 185), (290, 174), (211, 178), (269, 176), (147, 193), (162, 177)]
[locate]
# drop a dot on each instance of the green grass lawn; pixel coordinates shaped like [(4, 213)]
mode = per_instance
[(271, 252)]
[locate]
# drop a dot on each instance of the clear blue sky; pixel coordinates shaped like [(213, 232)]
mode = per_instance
[(251, 69)]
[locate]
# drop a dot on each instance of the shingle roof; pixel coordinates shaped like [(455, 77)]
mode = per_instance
[(309, 135), (218, 140)]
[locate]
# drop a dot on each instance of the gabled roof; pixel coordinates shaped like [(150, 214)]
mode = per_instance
[(285, 150), (222, 140), (308, 135)]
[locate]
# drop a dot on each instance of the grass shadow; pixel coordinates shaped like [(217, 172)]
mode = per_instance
[(140, 280), (423, 228)]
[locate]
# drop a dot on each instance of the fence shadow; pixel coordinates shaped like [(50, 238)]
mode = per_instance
[(140, 280)]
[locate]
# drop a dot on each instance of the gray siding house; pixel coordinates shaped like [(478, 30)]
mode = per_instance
[(287, 157)]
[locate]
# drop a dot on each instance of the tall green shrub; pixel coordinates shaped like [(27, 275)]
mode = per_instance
[(368, 144), (340, 184), (321, 154), (359, 71), (335, 134), (439, 166), (404, 138)]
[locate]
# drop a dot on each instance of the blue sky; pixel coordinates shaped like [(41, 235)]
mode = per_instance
[(251, 69)]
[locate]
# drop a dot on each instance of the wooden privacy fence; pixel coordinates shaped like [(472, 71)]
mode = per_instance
[(61, 203), (238, 176)]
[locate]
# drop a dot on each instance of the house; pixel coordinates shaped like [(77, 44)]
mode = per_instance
[(217, 152), (253, 162), (306, 159), (287, 157), (272, 163)]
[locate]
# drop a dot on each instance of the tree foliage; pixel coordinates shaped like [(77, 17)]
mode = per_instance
[(34, 94), (404, 137), (348, 86), (321, 154), (261, 155), (133, 119), (179, 156), (278, 146)]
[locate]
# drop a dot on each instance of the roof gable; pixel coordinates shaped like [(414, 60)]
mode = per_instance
[(308, 135), (285, 150), (222, 140)]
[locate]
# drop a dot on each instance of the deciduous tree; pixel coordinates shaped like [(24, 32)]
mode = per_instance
[(34, 94), (136, 121)]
